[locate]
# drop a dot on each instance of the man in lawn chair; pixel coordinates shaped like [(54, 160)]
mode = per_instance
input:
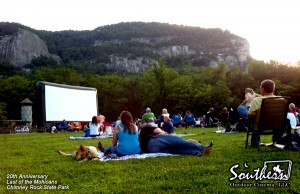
[(267, 88)]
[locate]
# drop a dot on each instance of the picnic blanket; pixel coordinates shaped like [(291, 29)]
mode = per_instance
[(111, 135), (137, 156), (223, 131), (280, 146), (97, 137), (183, 134)]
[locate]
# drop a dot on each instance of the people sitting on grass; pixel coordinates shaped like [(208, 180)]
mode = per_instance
[(293, 110), (293, 121), (177, 120), (53, 129), (224, 116), (63, 126), (296, 135), (75, 126), (86, 130), (211, 117), (148, 114), (151, 122), (94, 127), (125, 138), (164, 113), (155, 140), (188, 119), (167, 125)]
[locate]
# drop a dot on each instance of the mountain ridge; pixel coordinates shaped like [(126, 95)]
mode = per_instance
[(130, 47)]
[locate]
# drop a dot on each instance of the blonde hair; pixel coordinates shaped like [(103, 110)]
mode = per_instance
[(292, 105), (164, 111), (249, 90)]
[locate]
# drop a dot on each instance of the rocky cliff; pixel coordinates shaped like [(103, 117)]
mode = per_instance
[(237, 54), (21, 48), (127, 47)]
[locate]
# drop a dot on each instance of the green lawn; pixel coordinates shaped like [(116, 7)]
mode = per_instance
[(35, 154)]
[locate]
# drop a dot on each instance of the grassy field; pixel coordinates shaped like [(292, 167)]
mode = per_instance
[(35, 154)]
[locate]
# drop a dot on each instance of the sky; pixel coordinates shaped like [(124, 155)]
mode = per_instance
[(272, 27)]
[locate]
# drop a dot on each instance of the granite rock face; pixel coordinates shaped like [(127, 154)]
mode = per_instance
[(21, 48), (237, 54)]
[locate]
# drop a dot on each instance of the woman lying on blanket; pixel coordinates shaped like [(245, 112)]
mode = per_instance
[(155, 140), (125, 138)]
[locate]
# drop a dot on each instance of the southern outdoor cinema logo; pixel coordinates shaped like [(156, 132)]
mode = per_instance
[(277, 172)]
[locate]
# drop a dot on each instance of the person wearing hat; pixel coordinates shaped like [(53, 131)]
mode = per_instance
[(148, 114)]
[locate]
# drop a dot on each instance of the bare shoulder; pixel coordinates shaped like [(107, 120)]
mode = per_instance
[(117, 129)]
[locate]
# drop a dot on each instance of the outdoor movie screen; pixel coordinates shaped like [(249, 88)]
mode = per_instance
[(72, 103)]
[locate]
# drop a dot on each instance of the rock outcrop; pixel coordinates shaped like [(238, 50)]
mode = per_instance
[(21, 48), (129, 49), (237, 54), (123, 64)]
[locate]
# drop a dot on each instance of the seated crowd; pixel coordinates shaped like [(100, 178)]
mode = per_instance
[(156, 135), (127, 139)]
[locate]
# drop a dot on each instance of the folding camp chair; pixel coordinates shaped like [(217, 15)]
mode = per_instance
[(221, 127), (231, 127), (272, 120), (228, 125), (177, 120)]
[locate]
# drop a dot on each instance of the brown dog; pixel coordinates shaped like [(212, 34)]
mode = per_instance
[(83, 153)]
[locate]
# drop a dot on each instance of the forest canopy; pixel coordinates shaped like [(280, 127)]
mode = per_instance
[(192, 88)]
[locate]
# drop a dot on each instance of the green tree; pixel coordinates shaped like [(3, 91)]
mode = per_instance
[(2, 111), (59, 75), (112, 94), (12, 91), (154, 86), (154, 83), (237, 81), (8, 69), (179, 95), (260, 70)]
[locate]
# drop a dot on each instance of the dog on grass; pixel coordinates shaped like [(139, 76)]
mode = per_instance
[(83, 153)]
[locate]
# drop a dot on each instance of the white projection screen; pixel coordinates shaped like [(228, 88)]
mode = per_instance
[(72, 103)]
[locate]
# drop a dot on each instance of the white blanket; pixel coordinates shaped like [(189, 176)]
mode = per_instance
[(97, 137), (138, 156)]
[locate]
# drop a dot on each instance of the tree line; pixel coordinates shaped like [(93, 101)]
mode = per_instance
[(192, 88)]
